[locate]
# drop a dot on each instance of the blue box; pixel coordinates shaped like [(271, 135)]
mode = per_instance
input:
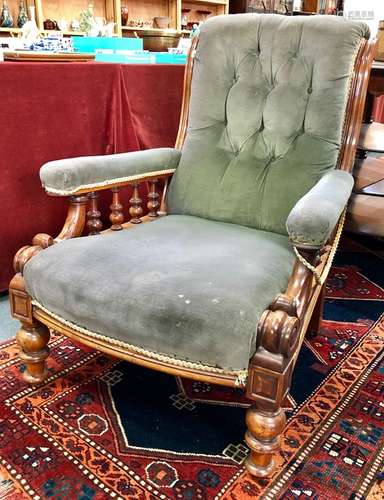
[(166, 58), (143, 58), (89, 44)]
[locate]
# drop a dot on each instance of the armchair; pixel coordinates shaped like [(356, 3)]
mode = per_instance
[(226, 280)]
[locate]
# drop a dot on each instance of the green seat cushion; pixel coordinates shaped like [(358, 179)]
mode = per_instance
[(267, 107), (183, 286)]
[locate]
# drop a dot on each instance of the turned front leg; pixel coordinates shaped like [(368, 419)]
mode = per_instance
[(33, 336), (33, 341), (269, 380), (263, 438)]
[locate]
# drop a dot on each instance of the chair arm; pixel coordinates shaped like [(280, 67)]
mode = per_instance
[(314, 217), (78, 175)]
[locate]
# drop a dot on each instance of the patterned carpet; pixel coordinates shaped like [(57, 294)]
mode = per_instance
[(100, 428)]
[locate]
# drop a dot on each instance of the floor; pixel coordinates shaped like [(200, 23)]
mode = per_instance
[(8, 325)]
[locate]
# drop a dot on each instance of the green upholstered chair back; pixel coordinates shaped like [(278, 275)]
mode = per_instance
[(267, 108)]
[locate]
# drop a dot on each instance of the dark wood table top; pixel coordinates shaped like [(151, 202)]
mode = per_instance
[(372, 137), (378, 65), (376, 189), (367, 171)]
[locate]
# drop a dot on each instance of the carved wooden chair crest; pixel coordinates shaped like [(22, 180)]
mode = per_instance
[(222, 285)]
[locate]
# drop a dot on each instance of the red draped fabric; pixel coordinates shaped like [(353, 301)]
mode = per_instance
[(51, 111), (378, 110)]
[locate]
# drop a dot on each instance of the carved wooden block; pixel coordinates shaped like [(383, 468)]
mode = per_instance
[(20, 301)]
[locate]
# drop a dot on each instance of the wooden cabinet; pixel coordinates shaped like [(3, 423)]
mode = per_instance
[(110, 10)]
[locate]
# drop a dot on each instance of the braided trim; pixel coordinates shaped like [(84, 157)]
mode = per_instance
[(308, 265), (108, 182), (241, 375), (321, 278)]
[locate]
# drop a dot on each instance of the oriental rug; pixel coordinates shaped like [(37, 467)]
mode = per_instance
[(99, 428)]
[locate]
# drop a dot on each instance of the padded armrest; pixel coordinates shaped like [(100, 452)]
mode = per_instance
[(65, 177), (313, 218)]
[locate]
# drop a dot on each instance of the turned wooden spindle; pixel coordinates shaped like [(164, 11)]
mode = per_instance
[(116, 216), (93, 223), (135, 210), (153, 199)]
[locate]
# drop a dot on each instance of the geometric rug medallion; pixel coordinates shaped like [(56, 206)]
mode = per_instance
[(101, 428)]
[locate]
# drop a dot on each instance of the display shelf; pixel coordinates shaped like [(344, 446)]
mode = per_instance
[(57, 10), (210, 2), (110, 10), (17, 31), (149, 28), (10, 30), (73, 33), (14, 10), (65, 32), (195, 12), (148, 9)]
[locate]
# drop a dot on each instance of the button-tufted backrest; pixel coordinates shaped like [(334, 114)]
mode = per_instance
[(268, 100)]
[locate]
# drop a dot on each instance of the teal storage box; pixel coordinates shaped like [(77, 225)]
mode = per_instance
[(167, 58), (90, 44), (143, 58)]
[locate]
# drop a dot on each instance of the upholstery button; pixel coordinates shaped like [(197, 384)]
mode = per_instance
[(310, 90)]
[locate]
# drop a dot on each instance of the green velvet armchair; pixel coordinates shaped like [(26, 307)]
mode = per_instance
[(224, 275)]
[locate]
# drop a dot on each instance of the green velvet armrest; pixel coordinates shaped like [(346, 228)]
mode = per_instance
[(313, 218), (72, 175)]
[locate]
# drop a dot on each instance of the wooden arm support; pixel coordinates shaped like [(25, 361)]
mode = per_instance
[(270, 370), (78, 217)]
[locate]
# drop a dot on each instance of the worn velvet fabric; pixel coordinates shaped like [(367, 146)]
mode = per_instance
[(183, 286), (52, 111), (267, 107), (71, 174), (314, 217)]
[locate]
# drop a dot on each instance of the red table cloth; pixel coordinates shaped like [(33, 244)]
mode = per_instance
[(51, 111)]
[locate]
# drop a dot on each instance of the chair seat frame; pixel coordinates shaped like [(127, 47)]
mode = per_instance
[(280, 331)]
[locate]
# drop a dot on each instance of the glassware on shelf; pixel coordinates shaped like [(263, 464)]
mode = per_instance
[(6, 20), (23, 16)]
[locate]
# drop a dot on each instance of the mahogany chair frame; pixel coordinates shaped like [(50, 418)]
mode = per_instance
[(282, 326)]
